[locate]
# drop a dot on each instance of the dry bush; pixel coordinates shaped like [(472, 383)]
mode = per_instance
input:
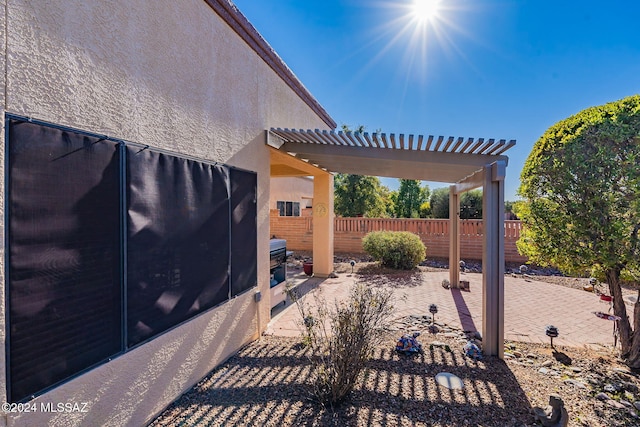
[(342, 338)]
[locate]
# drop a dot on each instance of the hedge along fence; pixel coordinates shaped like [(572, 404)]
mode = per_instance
[(434, 233)]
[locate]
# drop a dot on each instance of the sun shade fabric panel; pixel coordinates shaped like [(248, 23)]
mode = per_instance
[(244, 252), (99, 231), (177, 240), (64, 286)]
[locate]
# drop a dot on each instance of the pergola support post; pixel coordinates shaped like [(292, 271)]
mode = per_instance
[(454, 237), (323, 225), (493, 260)]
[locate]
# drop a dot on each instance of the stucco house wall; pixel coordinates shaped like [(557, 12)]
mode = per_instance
[(174, 75), (291, 189)]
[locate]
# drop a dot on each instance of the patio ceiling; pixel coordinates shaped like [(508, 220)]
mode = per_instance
[(440, 159)]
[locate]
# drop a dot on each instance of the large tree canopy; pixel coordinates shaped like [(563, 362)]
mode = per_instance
[(357, 195), (581, 185), (409, 198), (470, 204)]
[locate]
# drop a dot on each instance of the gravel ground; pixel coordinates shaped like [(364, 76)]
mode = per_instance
[(266, 383)]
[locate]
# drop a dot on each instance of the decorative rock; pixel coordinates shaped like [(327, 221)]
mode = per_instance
[(517, 354), (636, 404), (626, 403), (543, 371), (612, 388), (450, 335), (438, 344), (615, 404), (555, 415), (576, 369), (602, 396), (532, 356), (576, 384), (508, 355), (546, 363), (449, 381)]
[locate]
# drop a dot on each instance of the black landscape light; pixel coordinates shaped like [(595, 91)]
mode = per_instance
[(433, 309), (353, 263), (552, 332)]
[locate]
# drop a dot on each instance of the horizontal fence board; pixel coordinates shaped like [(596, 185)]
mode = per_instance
[(348, 234)]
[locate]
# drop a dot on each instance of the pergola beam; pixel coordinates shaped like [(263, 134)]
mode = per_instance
[(398, 163)]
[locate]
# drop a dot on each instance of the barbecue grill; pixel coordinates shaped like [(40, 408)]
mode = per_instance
[(278, 270)]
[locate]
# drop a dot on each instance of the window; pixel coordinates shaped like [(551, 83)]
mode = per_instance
[(75, 202), (288, 208)]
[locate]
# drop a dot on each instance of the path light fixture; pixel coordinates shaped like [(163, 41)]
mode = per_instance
[(552, 332), (433, 309), (462, 265), (353, 263)]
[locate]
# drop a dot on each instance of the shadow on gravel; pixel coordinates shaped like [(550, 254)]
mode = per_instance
[(379, 276), (266, 384)]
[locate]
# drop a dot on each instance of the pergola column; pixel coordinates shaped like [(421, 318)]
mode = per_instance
[(493, 260), (454, 237), (323, 225)]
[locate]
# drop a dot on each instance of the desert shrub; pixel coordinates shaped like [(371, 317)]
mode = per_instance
[(343, 338), (395, 249)]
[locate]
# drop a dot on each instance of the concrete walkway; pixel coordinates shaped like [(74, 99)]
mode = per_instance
[(529, 306)]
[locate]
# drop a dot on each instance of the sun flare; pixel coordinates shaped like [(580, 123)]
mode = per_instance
[(425, 10)]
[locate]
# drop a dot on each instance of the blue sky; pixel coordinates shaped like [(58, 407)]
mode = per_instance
[(481, 68)]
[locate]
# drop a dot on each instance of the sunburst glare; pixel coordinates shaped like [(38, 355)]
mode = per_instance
[(419, 28), (425, 10)]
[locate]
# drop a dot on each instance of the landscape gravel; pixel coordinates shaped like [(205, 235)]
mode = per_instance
[(267, 382)]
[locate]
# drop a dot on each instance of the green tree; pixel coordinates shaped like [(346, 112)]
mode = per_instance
[(425, 210), (410, 197), (581, 185), (440, 203), (470, 204), (357, 195), (513, 208)]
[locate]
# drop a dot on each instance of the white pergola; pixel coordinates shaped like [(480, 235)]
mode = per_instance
[(464, 163)]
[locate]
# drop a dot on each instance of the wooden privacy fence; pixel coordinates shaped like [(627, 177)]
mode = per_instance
[(434, 233)]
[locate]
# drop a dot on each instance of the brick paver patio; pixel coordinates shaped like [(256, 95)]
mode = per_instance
[(529, 306)]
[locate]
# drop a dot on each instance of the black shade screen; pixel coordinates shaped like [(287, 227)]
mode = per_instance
[(64, 286), (243, 231), (177, 240)]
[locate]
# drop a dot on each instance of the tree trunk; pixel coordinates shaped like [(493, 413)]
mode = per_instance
[(633, 361), (620, 310)]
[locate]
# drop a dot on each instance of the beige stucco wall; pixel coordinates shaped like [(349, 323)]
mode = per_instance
[(291, 189), (173, 75)]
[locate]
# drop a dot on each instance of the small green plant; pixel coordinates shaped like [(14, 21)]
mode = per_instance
[(395, 249), (343, 338)]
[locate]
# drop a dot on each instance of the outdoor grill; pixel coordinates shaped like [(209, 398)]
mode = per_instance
[(278, 270)]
